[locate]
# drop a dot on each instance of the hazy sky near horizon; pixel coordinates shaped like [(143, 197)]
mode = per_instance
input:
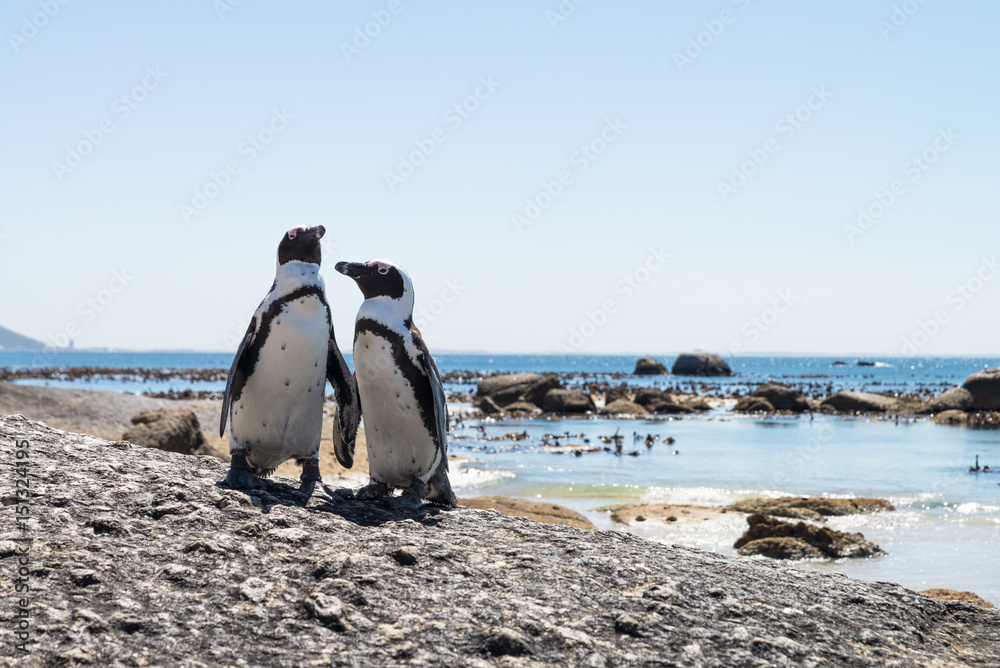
[(635, 177)]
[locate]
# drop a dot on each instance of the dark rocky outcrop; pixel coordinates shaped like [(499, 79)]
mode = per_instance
[(503, 391), (814, 508), (754, 405), (951, 418), (984, 386), (700, 363), (547, 513), (647, 366), (955, 399), (616, 393), (860, 402), (494, 384), (648, 396), (568, 401), (140, 558), (624, 407), (172, 430), (783, 397), (831, 544)]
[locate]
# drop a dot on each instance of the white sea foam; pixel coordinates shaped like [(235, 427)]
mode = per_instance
[(704, 496), (464, 477)]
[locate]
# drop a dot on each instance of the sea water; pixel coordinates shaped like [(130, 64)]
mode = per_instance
[(945, 531)]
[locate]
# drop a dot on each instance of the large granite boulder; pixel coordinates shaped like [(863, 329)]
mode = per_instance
[(647, 366), (648, 396), (140, 557), (860, 402), (700, 363), (984, 386), (536, 391), (955, 399), (568, 401), (624, 407), (494, 384), (171, 430), (783, 397), (832, 544)]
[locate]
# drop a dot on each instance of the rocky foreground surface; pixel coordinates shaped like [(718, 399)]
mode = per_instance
[(138, 557)]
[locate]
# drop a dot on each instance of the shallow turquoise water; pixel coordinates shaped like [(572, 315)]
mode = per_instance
[(944, 533)]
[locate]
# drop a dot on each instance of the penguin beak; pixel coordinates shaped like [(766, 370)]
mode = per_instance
[(319, 231), (354, 270)]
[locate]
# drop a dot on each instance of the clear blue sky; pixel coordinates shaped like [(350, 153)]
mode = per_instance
[(673, 130)]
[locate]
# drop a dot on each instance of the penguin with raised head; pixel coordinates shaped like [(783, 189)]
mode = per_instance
[(276, 386), (406, 419)]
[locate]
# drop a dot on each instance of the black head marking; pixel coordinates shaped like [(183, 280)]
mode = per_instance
[(376, 279), (302, 244)]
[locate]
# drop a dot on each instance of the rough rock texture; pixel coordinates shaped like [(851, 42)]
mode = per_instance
[(568, 401), (783, 547), (173, 430), (783, 397), (832, 544), (140, 558), (624, 407), (547, 513), (811, 507), (955, 399), (647, 366), (754, 405), (952, 595), (700, 363), (984, 386), (860, 402)]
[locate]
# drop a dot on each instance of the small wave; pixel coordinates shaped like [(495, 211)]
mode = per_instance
[(464, 477)]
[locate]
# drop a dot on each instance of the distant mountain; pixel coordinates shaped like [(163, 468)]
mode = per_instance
[(13, 341)]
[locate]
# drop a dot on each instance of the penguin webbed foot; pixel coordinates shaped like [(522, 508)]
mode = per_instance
[(412, 498), (310, 476), (240, 476)]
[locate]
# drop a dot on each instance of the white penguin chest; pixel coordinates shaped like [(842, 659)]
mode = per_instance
[(279, 414), (399, 444)]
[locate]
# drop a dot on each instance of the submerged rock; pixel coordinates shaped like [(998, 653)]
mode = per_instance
[(172, 430), (860, 402), (830, 543), (952, 418), (647, 366), (700, 363), (984, 387), (754, 405), (624, 407), (811, 507), (547, 513), (139, 557)]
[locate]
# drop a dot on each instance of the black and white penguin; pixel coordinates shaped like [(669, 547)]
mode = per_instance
[(406, 419), (274, 394)]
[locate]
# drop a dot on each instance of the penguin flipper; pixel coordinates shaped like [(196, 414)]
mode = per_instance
[(345, 432), (237, 378), (437, 391)]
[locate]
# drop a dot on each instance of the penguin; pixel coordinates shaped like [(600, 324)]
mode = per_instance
[(275, 390), (402, 399)]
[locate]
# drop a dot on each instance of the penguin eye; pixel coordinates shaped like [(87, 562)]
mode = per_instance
[(382, 269)]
